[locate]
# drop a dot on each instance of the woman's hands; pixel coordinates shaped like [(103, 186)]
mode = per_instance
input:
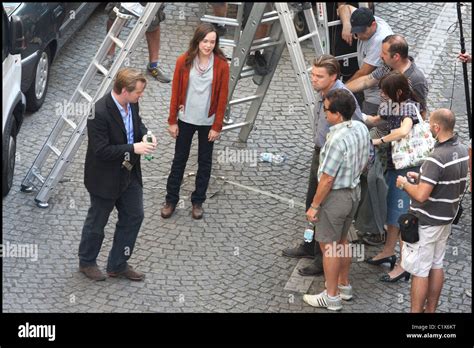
[(213, 135)]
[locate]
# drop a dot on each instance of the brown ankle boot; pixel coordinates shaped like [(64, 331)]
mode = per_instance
[(167, 210), (197, 211)]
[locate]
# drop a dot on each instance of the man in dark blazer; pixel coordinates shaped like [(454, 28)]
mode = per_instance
[(113, 176)]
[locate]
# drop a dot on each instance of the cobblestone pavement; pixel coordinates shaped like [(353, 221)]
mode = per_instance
[(231, 260)]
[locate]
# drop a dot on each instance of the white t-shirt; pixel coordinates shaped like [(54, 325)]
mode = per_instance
[(369, 52)]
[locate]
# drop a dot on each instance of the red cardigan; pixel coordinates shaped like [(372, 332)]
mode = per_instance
[(220, 90)]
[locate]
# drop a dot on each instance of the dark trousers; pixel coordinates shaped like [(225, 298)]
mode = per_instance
[(181, 155), (130, 217), (312, 188)]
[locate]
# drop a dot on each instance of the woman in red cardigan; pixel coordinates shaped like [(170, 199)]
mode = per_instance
[(198, 103)]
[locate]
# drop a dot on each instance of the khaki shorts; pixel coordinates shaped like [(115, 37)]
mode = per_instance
[(336, 214), (428, 253), (160, 15)]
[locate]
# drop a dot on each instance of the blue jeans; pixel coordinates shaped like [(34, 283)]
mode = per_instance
[(398, 200), (181, 155), (130, 217)]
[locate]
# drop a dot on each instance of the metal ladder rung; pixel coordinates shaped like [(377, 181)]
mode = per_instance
[(235, 3), (232, 22), (117, 41), (85, 95), (244, 100), (247, 72), (39, 176), (235, 125), (270, 19), (54, 149), (334, 23), (71, 123), (348, 55), (270, 14), (101, 68), (227, 42), (307, 36), (264, 43)]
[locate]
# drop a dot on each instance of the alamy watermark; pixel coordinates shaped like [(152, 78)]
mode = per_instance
[(241, 156), (27, 251), (354, 250)]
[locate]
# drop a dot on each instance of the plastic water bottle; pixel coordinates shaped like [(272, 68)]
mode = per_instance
[(271, 158), (149, 139), (309, 233)]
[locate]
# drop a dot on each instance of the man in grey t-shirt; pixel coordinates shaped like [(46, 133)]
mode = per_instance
[(395, 57), (370, 31)]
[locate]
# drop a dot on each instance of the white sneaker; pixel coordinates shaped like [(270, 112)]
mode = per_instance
[(345, 291), (323, 301)]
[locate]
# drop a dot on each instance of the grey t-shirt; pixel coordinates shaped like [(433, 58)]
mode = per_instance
[(415, 77), (198, 97), (369, 52)]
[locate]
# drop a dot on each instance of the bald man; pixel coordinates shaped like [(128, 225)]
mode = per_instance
[(435, 200)]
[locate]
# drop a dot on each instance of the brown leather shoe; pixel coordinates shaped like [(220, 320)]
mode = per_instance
[(167, 210), (92, 272), (129, 273), (197, 211)]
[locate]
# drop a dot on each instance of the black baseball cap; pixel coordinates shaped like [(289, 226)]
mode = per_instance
[(361, 19)]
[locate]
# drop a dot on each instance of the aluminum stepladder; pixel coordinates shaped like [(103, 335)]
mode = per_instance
[(282, 34), (318, 28), (35, 178)]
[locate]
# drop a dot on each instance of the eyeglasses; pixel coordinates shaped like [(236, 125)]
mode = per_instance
[(327, 109)]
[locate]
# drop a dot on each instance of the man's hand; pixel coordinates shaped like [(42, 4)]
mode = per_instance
[(413, 176), (401, 181), (173, 130), (213, 135), (465, 57), (311, 215), (346, 34), (143, 148)]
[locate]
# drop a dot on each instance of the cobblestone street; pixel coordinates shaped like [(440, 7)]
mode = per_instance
[(231, 260)]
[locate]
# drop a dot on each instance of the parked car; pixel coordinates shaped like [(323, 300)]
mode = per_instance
[(47, 27), (13, 99)]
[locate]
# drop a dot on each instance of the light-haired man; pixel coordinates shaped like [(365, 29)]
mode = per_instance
[(113, 176)]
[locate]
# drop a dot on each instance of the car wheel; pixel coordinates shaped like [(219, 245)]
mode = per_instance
[(300, 24), (8, 158), (37, 93)]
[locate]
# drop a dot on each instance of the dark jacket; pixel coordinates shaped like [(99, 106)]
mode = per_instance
[(104, 175)]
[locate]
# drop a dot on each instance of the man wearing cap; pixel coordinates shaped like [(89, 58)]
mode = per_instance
[(370, 31)]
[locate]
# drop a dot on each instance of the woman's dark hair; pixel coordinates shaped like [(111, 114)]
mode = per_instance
[(342, 101), (395, 81), (199, 34)]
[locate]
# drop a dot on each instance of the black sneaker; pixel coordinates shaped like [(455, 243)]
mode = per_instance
[(314, 269), (304, 250), (261, 66)]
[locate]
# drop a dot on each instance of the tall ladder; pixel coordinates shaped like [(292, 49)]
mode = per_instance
[(283, 33), (35, 178)]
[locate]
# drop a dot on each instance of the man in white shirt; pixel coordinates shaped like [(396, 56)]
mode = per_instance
[(370, 32)]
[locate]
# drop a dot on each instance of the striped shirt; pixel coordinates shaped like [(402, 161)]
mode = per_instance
[(446, 169), (345, 154)]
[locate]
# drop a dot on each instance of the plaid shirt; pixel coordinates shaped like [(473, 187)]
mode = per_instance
[(345, 154)]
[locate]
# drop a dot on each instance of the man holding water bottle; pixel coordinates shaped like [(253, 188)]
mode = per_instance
[(117, 138)]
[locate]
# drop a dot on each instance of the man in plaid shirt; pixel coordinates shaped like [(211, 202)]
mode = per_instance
[(343, 158)]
